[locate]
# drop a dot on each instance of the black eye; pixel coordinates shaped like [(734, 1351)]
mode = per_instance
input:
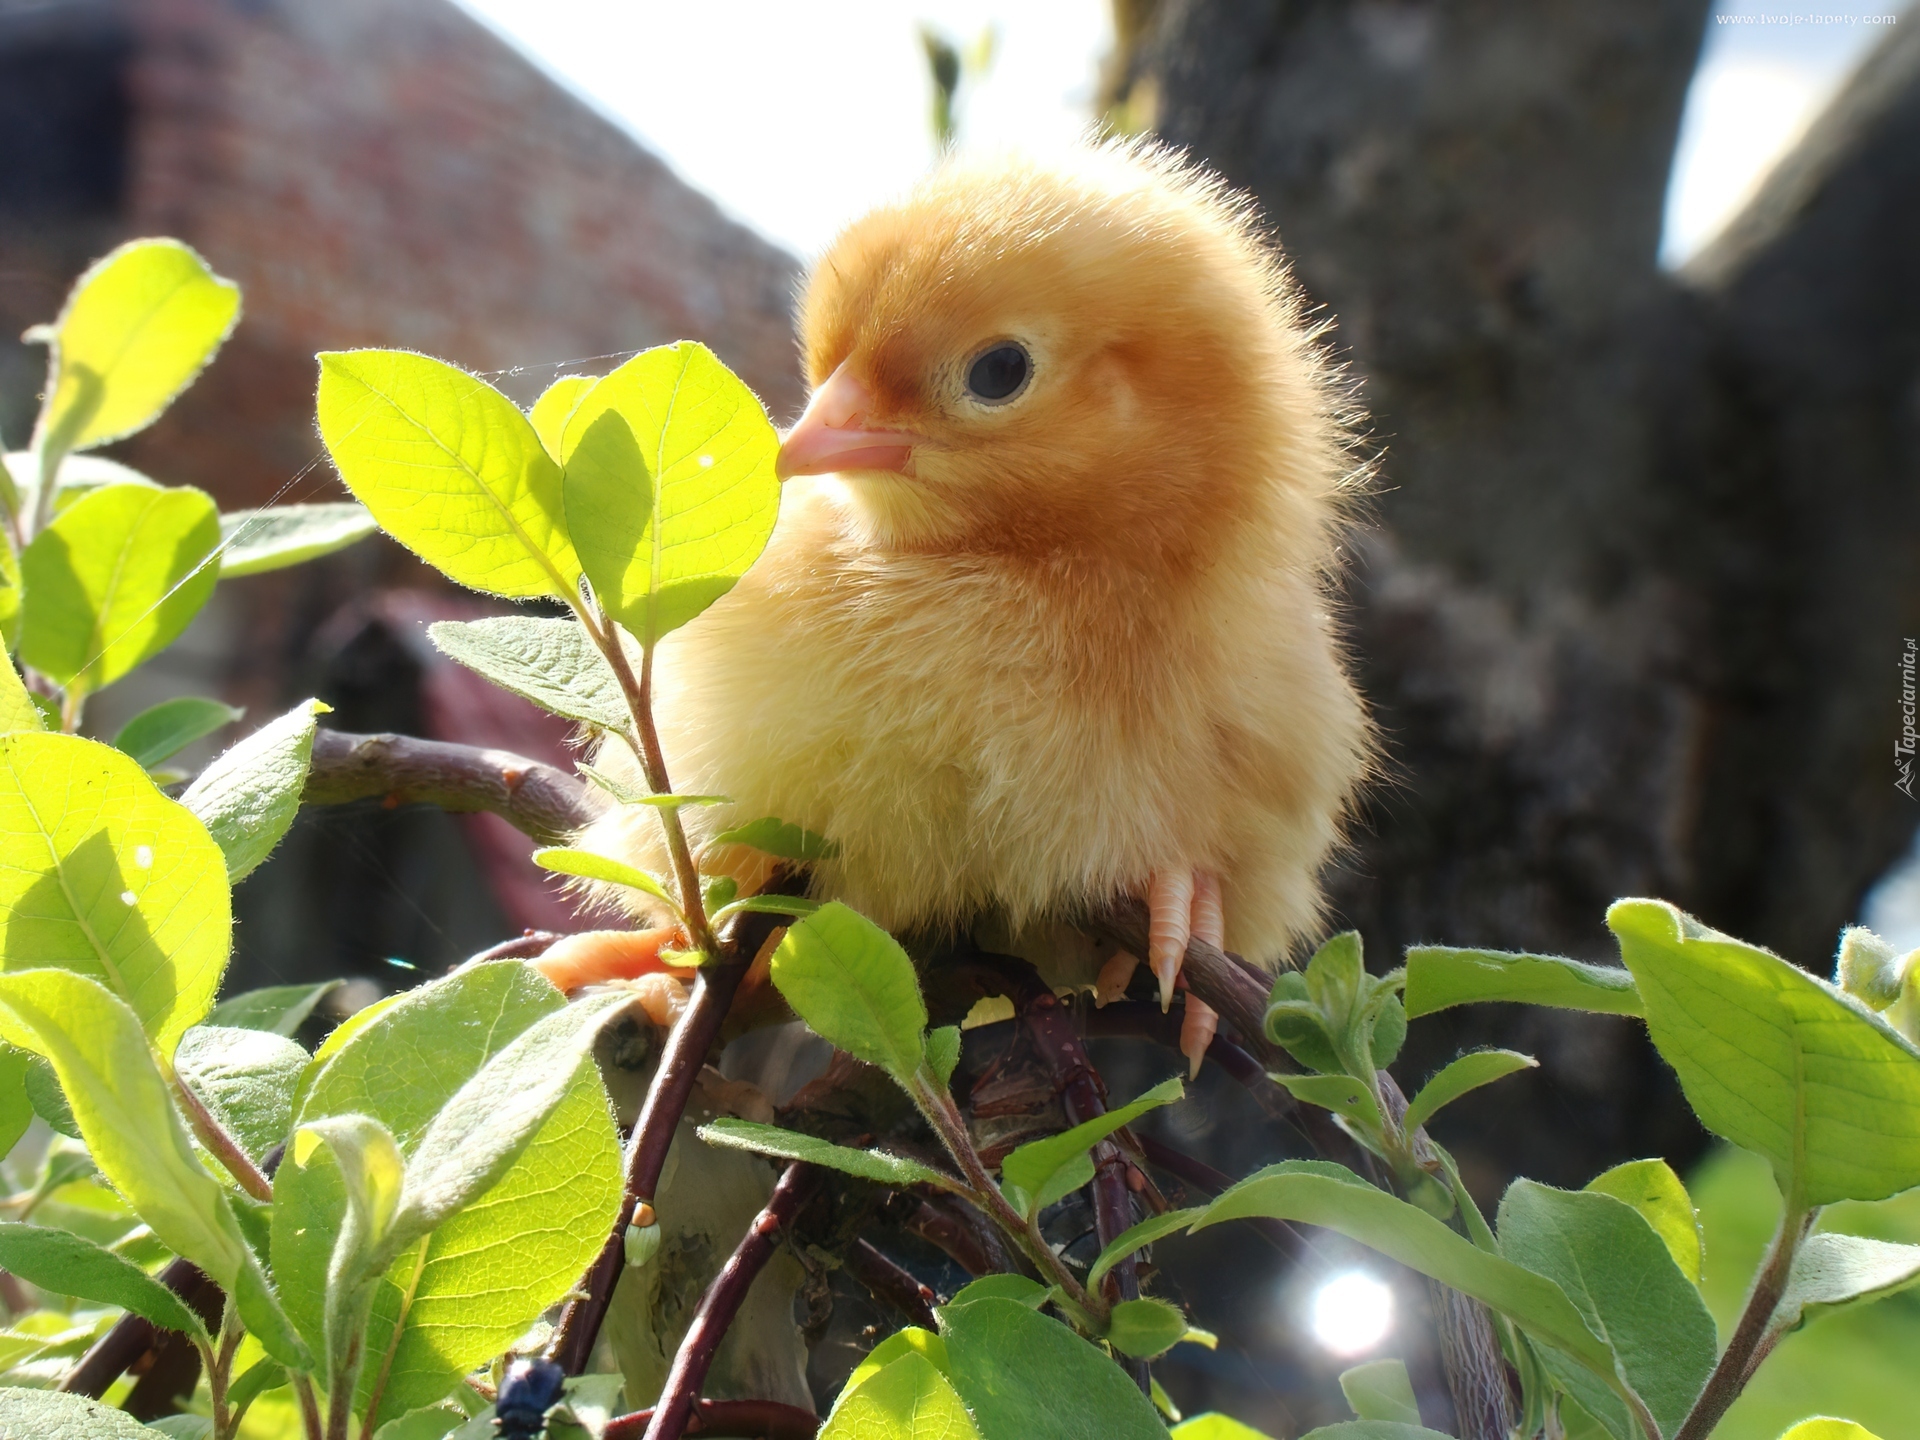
[(998, 374)]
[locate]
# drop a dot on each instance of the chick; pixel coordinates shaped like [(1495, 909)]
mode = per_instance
[(1044, 617)]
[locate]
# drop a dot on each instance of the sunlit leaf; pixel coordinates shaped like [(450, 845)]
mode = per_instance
[(854, 986), (162, 731), (450, 469), (780, 839), (137, 328), (255, 541), (1832, 1271), (56, 1415), (1023, 1375), (550, 662), (63, 1263), (246, 1078), (17, 710), (1469, 1072), (588, 865), (1439, 977), (1145, 1327), (114, 580), (107, 877), (874, 1165), (707, 447), (1046, 1170), (1651, 1187), (555, 407), (1381, 1390), (281, 1009), (907, 1399), (248, 795)]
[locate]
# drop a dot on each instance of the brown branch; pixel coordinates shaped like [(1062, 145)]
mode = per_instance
[(132, 1337), (542, 800), (687, 1047), (953, 1226), (722, 1302), (748, 1419), (887, 1280)]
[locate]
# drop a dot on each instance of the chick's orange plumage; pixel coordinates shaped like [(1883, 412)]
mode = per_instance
[(1044, 616)]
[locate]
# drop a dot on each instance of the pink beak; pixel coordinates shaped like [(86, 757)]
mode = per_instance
[(832, 437)]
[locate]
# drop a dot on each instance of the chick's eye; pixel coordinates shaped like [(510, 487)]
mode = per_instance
[(999, 373)]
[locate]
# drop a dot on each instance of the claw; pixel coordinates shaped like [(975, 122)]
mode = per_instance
[(1200, 1022), (1197, 1029), (1169, 925), (1114, 978)]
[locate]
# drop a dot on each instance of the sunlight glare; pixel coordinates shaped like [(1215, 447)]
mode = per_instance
[(1351, 1313)]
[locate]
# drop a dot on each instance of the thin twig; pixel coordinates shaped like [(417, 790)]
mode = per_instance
[(688, 1044), (222, 1146), (541, 800), (748, 1419), (887, 1280), (1730, 1375), (722, 1302), (955, 1227)]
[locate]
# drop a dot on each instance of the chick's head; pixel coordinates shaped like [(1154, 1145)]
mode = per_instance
[(1094, 354)]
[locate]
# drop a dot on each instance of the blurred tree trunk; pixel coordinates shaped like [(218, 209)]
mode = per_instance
[(1644, 554)]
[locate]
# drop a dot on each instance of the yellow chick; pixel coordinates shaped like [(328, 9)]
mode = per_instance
[(1044, 619)]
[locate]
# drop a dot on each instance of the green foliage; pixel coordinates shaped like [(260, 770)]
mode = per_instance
[(874, 1165), (137, 329), (1439, 977), (1469, 1072), (1775, 1060), (253, 542), (550, 662), (586, 865), (282, 1009), (1042, 1171), (669, 486), (1381, 1390), (164, 730), (246, 1078), (1023, 1375), (108, 878), (65, 1264), (853, 984), (53, 1415), (114, 580), (1146, 1327), (781, 840), (908, 1399), (1622, 1278), (1651, 1187), (248, 796)]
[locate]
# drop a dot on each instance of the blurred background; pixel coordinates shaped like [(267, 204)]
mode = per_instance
[(1629, 289)]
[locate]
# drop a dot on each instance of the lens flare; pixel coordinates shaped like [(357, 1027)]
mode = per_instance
[(1351, 1313)]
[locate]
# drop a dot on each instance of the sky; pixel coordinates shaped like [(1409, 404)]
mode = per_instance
[(798, 117)]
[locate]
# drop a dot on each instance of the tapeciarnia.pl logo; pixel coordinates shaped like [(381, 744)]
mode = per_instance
[(1903, 748)]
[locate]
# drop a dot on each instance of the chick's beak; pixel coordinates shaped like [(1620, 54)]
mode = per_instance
[(833, 437)]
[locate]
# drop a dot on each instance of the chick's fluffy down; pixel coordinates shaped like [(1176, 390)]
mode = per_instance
[(1086, 636)]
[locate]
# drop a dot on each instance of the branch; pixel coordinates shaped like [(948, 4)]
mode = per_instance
[(955, 1227), (749, 1419), (132, 1337), (723, 1300), (688, 1044), (1743, 1351), (887, 1280), (541, 800)]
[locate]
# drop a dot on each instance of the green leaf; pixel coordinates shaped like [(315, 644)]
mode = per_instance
[(1215, 1426), (17, 710), (282, 1009), (1293, 1022), (1026, 1377), (371, 1169), (247, 797), (1030, 1293), (779, 839), (1315, 1192), (1153, 1228), (1832, 1271), (488, 1124), (550, 662), (1439, 977), (487, 1273), (910, 1341), (1469, 1072), (114, 580), (1045, 1170), (1651, 1187), (854, 986), (255, 541), (16, 1110), (246, 1078), (633, 795), (943, 1051), (908, 1399), (1620, 1276), (555, 408), (101, 1055), (103, 875), (48, 1100), (450, 469), (875, 1165), (56, 1415), (563, 860), (1341, 1094), (164, 730), (62, 1263), (1145, 1328), (1775, 1060), (1380, 1390), (135, 331), (673, 505), (1371, 1430), (1824, 1428), (766, 905), (429, 1422), (12, 597), (255, 1381)]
